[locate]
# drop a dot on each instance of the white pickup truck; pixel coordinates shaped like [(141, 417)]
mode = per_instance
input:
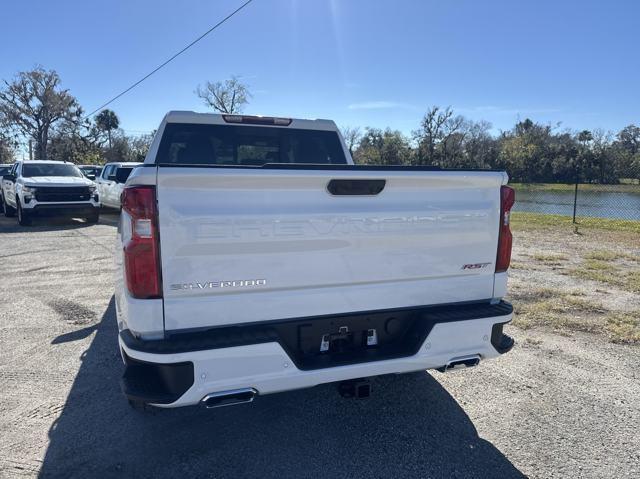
[(111, 181), (254, 258)]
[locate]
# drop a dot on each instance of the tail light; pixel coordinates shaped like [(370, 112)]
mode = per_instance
[(142, 250), (507, 198)]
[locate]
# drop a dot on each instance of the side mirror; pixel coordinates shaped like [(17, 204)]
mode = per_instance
[(90, 176), (122, 174), (111, 178)]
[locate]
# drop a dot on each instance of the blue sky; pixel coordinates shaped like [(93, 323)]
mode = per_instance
[(359, 62)]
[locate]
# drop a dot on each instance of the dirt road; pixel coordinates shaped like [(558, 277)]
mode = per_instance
[(556, 406)]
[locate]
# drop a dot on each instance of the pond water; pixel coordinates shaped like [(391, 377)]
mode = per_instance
[(599, 204)]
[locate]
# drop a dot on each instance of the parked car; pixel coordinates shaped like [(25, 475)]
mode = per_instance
[(90, 171), (48, 188), (254, 257), (4, 169), (111, 181)]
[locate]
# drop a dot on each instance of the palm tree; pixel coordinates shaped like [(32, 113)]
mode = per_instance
[(107, 120), (585, 137)]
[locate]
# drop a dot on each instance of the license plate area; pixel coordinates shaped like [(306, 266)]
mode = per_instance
[(354, 338)]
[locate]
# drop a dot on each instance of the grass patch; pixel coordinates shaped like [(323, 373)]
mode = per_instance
[(596, 270), (570, 312), (523, 221), (552, 258), (533, 294), (622, 188), (533, 341), (559, 314), (594, 275), (576, 292), (633, 281), (602, 255), (597, 265), (623, 328), (561, 311), (518, 265), (606, 255)]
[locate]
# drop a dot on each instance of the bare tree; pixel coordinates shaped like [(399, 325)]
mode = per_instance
[(451, 132), (480, 147), (430, 132), (352, 136), (139, 146), (437, 128), (228, 97), (32, 104)]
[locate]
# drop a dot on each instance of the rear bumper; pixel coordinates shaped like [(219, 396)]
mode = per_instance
[(181, 372)]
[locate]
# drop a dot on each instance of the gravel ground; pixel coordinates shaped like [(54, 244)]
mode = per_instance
[(546, 260), (556, 406)]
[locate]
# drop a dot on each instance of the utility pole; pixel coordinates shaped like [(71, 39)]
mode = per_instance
[(575, 196), (30, 149), (584, 137)]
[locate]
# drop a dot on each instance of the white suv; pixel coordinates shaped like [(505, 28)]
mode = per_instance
[(4, 170), (48, 188)]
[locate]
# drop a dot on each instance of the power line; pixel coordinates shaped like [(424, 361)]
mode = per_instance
[(171, 58)]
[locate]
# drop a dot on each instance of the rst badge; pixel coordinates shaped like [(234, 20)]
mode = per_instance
[(475, 265)]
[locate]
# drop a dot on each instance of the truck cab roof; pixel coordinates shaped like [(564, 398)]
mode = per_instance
[(124, 163)]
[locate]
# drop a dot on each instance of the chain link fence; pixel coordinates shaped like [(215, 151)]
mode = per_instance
[(584, 202)]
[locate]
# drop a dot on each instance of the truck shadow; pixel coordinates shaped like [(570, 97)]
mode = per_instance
[(10, 225), (410, 427)]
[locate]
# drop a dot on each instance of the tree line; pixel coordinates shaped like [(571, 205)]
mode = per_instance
[(33, 106), (530, 152), (36, 110)]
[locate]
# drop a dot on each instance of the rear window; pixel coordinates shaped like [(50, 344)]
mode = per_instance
[(235, 145), (31, 170), (124, 172)]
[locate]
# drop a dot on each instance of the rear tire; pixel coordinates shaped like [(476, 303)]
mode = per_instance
[(24, 218), (9, 212)]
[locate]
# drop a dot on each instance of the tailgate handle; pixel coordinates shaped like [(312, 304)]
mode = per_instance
[(356, 187)]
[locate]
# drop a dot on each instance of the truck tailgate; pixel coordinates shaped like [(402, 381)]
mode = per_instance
[(245, 245)]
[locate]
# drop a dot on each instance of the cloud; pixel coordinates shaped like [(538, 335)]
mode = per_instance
[(499, 110), (380, 105)]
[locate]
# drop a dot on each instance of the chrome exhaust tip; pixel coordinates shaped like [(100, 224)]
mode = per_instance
[(461, 362), (229, 398)]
